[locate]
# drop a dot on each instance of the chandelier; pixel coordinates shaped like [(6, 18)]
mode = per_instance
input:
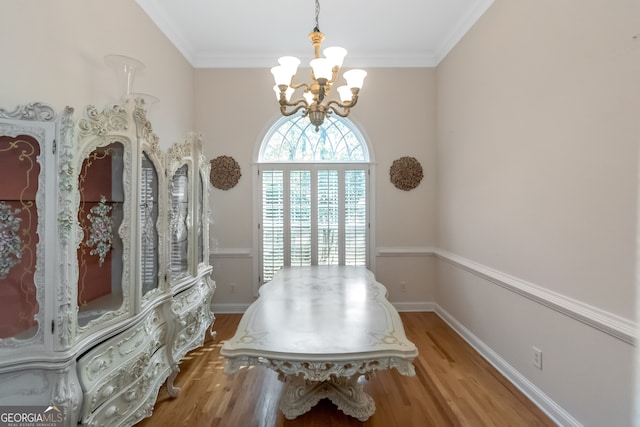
[(314, 102)]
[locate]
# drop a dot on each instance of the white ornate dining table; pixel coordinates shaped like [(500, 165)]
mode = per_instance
[(321, 329)]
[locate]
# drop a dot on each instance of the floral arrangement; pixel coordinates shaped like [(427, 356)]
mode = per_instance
[(101, 233), (10, 242)]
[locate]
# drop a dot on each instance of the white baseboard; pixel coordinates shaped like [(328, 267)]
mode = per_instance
[(552, 409), (229, 308), (414, 306)]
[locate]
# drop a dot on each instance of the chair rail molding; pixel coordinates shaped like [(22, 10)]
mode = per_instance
[(609, 323), (231, 253), (408, 251)]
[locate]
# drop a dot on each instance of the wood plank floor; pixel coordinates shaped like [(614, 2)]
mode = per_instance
[(453, 386)]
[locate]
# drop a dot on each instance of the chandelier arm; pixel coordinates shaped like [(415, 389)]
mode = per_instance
[(300, 103), (299, 85), (344, 113), (346, 106), (334, 75), (283, 109)]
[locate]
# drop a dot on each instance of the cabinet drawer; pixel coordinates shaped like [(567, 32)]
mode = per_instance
[(126, 373), (117, 362), (134, 402), (190, 330), (189, 299), (192, 317), (110, 354)]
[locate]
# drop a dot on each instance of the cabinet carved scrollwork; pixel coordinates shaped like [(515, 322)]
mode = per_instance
[(104, 275)]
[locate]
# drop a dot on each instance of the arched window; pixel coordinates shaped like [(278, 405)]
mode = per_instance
[(314, 195)]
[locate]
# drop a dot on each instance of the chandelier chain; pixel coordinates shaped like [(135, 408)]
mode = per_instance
[(317, 27)]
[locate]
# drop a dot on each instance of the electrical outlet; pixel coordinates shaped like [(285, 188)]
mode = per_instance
[(233, 287), (403, 286), (537, 358)]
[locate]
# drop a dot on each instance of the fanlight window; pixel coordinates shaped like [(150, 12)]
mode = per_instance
[(314, 195), (295, 140)]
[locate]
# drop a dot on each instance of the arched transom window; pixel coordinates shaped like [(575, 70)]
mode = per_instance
[(314, 195)]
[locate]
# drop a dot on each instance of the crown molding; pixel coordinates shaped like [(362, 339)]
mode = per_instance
[(165, 24), (417, 59), (461, 29), (423, 60)]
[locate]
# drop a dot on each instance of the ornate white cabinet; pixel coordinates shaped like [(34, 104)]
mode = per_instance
[(35, 367), (104, 278), (188, 172)]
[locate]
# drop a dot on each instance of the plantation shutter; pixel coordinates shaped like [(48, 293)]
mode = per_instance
[(272, 222), (356, 221), (313, 215), (300, 217), (328, 217)]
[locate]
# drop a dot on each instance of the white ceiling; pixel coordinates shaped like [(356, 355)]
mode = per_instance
[(245, 33)]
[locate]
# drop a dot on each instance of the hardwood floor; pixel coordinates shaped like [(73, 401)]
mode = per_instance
[(453, 386)]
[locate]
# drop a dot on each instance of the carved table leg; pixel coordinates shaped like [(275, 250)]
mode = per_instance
[(347, 393)]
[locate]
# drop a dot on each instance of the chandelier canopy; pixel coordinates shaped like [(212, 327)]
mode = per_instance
[(324, 71)]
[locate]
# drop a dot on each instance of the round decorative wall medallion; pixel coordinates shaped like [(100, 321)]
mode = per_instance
[(225, 172), (406, 173)]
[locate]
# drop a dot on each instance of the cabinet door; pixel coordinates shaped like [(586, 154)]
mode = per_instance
[(100, 216), (150, 241), (25, 148), (204, 168), (200, 232), (18, 235), (151, 212), (104, 168), (179, 226)]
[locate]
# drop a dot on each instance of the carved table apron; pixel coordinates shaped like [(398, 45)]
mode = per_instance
[(322, 328)]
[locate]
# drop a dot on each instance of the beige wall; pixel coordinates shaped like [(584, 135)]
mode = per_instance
[(538, 125), (396, 114), (527, 133), (52, 52)]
